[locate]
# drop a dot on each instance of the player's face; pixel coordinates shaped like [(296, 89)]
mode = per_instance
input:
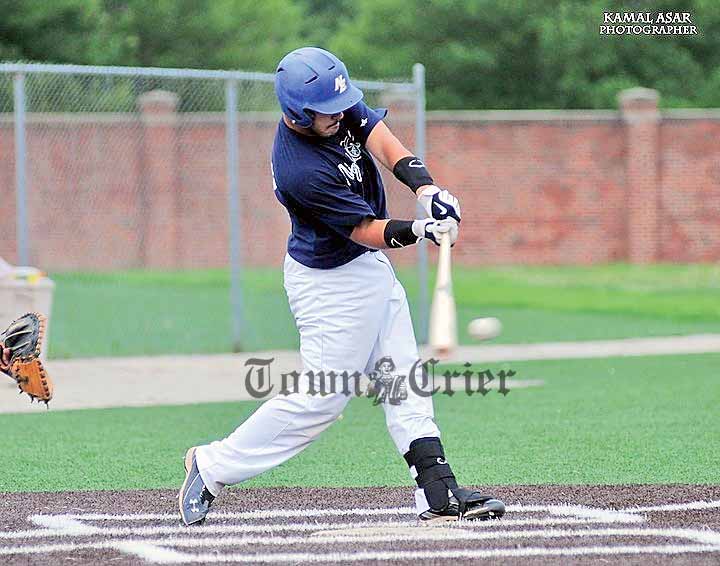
[(326, 125)]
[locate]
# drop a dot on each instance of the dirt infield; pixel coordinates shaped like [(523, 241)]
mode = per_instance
[(544, 524)]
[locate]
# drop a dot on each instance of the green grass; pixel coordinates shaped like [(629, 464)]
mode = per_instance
[(179, 312), (625, 420)]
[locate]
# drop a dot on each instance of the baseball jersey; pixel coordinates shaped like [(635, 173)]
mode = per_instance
[(328, 186)]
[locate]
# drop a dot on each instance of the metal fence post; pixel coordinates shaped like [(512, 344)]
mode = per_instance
[(423, 297), (21, 220), (231, 120)]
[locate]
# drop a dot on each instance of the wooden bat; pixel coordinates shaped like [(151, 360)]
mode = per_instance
[(443, 315)]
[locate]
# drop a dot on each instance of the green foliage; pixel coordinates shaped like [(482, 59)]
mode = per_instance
[(478, 53), (61, 31), (237, 34), (525, 54), (206, 33)]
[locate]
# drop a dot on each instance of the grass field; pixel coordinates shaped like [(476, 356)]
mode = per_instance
[(629, 420), (159, 312)]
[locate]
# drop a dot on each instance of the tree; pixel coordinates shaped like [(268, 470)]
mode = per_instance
[(526, 54), (226, 34), (61, 31)]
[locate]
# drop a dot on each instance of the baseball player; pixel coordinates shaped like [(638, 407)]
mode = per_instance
[(349, 307)]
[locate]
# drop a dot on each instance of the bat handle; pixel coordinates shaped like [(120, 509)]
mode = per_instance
[(445, 242), (444, 268)]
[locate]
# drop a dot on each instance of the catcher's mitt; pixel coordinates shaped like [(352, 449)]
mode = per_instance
[(23, 338)]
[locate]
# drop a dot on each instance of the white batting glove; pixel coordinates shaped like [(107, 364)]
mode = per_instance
[(439, 203), (432, 229)]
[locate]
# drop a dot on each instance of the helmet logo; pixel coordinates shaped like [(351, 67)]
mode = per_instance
[(340, 84)]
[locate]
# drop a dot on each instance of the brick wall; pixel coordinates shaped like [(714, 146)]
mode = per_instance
[(537, 187)]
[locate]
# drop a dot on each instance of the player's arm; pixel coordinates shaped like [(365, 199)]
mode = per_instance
[(380, 234), (411, 171), (385, 147)]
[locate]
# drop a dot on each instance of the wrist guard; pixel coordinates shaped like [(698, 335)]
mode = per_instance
[(412, 172), (399, 233)]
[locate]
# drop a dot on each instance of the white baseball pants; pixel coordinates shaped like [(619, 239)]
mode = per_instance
[(348, 317)]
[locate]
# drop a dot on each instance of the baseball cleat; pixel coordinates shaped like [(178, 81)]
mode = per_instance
[(194, 496), (471, 506), (491, 509)]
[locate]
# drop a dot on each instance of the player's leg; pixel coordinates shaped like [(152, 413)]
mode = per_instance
[(279, 429), (336, 312), (412, 427)]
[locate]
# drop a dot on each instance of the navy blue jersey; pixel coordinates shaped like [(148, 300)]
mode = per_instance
[(328, 185)]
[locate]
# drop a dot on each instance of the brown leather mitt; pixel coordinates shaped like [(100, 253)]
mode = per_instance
[(23, 340)]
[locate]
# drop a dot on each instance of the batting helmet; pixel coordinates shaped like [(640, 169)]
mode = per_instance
[(310, 80)]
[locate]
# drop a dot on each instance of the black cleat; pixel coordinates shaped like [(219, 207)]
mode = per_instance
[(491, 509), (194, 497), (467, 505)]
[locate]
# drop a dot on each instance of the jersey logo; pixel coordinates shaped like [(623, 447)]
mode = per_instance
[(340, 84), (351, 147), (416, 163), (441, 461), (353, 150), (351, 172), (363, 122), (443, 210)]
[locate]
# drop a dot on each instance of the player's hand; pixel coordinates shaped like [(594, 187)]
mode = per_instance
[(439, 203), (432, 229)]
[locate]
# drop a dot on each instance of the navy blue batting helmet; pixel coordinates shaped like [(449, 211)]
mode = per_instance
[(310, 80)]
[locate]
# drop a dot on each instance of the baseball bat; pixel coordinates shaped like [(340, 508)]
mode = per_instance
[(443, 315)]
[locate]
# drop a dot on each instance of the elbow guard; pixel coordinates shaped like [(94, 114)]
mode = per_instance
[(412, 171)]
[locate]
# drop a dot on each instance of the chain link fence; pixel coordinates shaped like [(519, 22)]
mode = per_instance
[(146, 194)]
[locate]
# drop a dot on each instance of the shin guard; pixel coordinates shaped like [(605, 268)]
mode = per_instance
[(426, 459)]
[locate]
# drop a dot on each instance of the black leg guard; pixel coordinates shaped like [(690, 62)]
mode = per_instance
[(433, 472), (445, 498)]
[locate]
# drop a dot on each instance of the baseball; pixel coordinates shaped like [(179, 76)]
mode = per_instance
[(484, 328)]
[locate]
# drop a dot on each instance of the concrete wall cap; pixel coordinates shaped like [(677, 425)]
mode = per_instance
[(638, 93), (158, 96)]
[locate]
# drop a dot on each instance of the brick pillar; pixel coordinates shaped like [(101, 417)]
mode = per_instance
[(159, 185), (641, 118)]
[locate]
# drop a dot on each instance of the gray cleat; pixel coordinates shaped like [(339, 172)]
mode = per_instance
[(194, 496)]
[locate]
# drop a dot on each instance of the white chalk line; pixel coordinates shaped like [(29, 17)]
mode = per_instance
[(148, 546), (249, 515), (339, 557), (72, 527), (152, 553), (154, 550), (282, 527), (694, 506), (205, 529), (577, 510)]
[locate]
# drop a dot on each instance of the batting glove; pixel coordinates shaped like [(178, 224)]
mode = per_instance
[(432, 229), (439, 203)]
